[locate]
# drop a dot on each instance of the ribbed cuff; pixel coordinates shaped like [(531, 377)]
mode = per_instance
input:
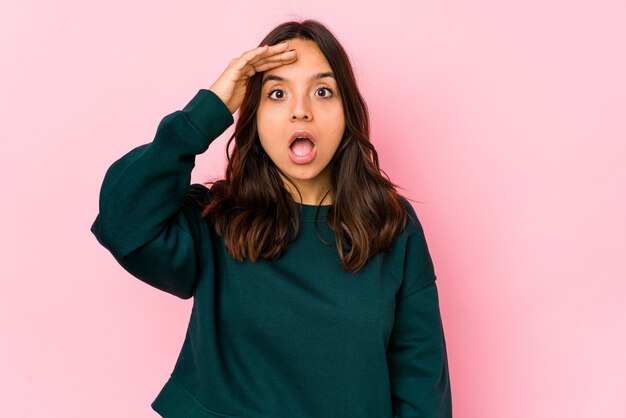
[(208, 113)]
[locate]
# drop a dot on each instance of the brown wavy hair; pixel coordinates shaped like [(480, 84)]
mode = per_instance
[(252, 208)]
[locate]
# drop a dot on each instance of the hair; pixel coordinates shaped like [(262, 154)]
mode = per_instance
[(254, 211)]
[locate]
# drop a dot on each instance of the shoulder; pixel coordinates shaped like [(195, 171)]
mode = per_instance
[(411, 241), (418, 265), (413, 223)]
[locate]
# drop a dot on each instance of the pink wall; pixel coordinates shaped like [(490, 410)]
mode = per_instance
[(507, 119)]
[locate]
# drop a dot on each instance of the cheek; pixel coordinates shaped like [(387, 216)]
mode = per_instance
[(339, 123), (328, 115), (266, 120), (260, 126), (263, 128), (266, 133)]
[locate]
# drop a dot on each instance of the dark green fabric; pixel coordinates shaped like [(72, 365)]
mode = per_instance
[(293, 337)]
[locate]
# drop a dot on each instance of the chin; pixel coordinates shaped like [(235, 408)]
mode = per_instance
[(302, 176)]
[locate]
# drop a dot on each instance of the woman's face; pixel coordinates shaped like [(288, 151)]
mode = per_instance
[(301, 99)]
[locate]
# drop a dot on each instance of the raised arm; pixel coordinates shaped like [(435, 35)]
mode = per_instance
[(148, 217)]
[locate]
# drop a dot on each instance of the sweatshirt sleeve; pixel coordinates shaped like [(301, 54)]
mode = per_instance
[(418, 364), (147, 212)]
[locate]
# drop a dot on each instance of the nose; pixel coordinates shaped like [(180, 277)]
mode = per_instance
[(301, 109)]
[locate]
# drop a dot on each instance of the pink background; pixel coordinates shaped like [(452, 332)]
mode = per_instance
[(506, 119)]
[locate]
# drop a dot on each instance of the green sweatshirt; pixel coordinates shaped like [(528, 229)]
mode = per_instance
[(296, 337)]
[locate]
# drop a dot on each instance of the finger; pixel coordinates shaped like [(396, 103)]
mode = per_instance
[(286, 56), (278, 55), (248, 71), (258, 56), (245, 58), (273, 64), (271, 51)]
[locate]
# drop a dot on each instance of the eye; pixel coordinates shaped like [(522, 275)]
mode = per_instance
[(282, 94), (327, 94)]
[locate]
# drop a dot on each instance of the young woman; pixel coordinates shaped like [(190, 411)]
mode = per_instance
[(314, 291)]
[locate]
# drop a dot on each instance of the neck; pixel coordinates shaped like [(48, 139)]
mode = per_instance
[(313, 192)]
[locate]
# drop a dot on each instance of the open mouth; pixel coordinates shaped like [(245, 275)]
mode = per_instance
[(302, 148)]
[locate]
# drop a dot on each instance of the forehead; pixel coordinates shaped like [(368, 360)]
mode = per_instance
[(311, 63)]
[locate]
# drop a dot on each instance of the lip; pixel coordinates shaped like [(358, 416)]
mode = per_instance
[(302, 159), (302, 133)]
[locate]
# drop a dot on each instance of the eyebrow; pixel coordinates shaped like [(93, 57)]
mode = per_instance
[(315, 77)]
